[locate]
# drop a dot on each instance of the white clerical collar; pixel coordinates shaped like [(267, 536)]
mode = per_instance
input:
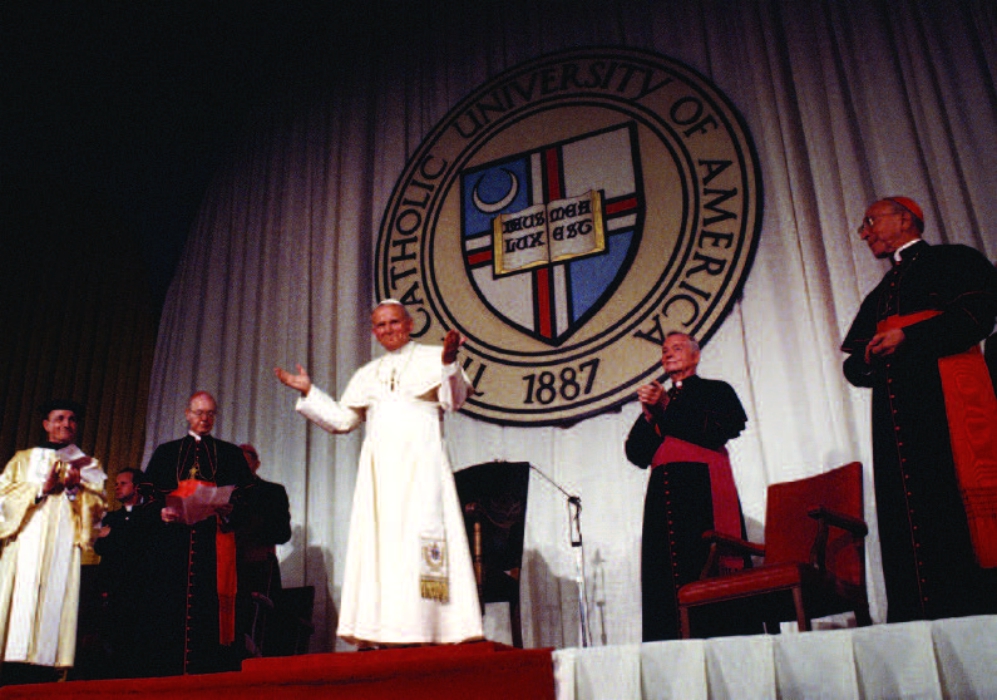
[(194, 435), (410, 345), (905, 246), (393, 364)]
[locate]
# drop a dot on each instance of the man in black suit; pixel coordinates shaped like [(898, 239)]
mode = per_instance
[(123, 543), (267, 523), (194, 623)]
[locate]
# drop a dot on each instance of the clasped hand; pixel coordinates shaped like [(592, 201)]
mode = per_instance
[(884, 344), (57, 481), (653, 398)]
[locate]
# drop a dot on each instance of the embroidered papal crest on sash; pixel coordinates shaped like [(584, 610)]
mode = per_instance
[(434, 581)]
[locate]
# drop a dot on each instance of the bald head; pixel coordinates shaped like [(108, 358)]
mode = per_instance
[(201, 412), (386, 303)]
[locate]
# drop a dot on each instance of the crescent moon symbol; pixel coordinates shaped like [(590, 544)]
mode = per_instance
[(491, 208)]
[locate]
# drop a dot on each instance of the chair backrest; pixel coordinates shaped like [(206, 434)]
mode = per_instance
[(290, 628), (498, 492), (790, 532)]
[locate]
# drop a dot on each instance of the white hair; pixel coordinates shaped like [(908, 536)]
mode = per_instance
[(692, 341), (392, 302)]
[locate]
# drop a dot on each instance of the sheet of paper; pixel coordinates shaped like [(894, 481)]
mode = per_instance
[(201, 504)]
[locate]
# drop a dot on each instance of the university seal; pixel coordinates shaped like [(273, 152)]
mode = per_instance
[(564, 217)]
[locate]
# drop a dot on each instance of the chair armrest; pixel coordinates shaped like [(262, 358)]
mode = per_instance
[(722, 545), (828, 518), (261, 599), (856, 526), (733, 545)]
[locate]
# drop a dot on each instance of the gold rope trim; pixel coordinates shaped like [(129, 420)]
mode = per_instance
[(434, 589)]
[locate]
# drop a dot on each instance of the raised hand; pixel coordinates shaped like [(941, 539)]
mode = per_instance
[(300, 381), (451, 343)]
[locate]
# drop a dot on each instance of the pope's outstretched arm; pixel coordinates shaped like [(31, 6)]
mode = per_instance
[(317, 406)]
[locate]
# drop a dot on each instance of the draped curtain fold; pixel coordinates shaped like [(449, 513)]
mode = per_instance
[(76, 322), (846, 102)]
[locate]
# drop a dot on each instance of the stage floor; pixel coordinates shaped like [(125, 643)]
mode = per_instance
[(942, 659), (484, 670)]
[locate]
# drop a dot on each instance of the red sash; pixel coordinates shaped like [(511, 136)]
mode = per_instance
[(225, 571), (726, 506), (971, 410), (227, 584)]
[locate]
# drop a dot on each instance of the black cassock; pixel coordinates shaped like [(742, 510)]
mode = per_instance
[(678, 506), (928, 562), (182, 612)]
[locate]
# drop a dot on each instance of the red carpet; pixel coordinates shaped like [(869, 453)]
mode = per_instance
[(483, 671)]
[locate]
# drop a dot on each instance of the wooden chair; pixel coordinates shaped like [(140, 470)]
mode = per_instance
[(253, 639), (290, 625), (814, 556), (493, 498)]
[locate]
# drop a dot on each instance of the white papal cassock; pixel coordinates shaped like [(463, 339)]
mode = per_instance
[(40, 562), (405, 501)]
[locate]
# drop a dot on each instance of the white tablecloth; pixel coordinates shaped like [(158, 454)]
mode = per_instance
[(942, 659)]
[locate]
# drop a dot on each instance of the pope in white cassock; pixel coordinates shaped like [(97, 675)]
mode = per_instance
[(51, 497), (408, 576)]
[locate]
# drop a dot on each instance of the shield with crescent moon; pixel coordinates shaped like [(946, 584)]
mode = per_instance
[(548, 234)]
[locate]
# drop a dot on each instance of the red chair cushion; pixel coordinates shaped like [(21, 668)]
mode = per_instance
[(745, 583)]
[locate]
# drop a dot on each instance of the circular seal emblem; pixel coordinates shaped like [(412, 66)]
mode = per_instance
[(564, 217)]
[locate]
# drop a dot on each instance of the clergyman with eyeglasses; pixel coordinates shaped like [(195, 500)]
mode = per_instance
[(916, 343), (192, 599)]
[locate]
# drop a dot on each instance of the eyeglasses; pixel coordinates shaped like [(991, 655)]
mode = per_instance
[(202, 414), (870, 221)]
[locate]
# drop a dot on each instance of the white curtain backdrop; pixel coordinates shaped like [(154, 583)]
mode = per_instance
[(846, 101)]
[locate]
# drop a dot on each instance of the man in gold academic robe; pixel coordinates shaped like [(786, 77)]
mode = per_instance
[(51, 497)]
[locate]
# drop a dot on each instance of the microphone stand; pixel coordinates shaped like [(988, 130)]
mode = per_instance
[(575, 527)]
